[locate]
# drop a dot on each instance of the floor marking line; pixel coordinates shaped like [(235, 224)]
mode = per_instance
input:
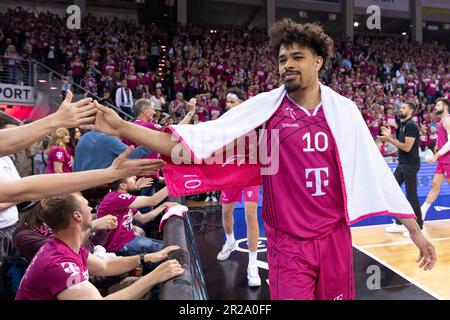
[(420, 286)]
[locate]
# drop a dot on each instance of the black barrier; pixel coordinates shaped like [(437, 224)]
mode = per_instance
[(190, 285)]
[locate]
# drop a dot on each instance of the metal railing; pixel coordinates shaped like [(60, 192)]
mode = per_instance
[(17, 71)]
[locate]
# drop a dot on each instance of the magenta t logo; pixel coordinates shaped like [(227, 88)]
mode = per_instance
[(318, 180)]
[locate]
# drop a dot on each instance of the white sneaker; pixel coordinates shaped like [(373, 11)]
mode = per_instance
[(396, 228), (208, 199), (253, 277), (214, 199), (224, 254)]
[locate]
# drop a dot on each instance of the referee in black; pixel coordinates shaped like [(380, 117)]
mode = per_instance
[(407, 142)]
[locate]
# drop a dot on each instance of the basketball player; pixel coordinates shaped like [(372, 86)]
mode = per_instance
[(251, 197), (309, 246), (442, 156)]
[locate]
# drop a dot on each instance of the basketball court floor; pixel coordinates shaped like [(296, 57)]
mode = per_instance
[(384, 264)]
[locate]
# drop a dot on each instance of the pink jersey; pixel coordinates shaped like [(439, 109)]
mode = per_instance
[(54, 268), (117, 204), (374, 130), (390, 121), (59, 154), (442, 139), (304, 198)]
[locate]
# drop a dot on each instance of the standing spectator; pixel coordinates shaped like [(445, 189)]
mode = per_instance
[(60, 158), (12, 65), (77, 69), (40, 159), (158, 99), (178, 107), (89, 83), (124, 98)]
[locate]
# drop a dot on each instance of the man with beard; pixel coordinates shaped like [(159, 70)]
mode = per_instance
[(309, 202), (442, 156), (407, 142)]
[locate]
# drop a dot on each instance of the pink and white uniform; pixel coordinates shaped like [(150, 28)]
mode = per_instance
[(55, 268), (443, 166), (304, 209), (251, 194)]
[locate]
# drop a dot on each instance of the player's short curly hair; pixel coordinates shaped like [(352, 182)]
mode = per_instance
[(286, 32)]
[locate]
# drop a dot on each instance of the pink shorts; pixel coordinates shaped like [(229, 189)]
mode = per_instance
[(443, 168), (251, 194), (319, 269)]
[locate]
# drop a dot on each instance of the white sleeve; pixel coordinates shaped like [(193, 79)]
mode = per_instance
[(446, 147)]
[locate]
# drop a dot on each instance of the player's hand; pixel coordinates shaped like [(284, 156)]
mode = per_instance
[(434, 159), (427, 256), (74, 114), (106, 120), (191, 105)]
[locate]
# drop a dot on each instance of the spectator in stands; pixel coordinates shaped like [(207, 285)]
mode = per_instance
[(59, 154), (158, 99), (37, 187), (96, 150), (32, 231), (23, 159), (77, 67), (40, 159), (120, 203), (75, 135), (13, 64), (63, 264), (124, 98), (178, 107)]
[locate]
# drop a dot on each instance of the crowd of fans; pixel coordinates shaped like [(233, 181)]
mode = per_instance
[(118, 61)]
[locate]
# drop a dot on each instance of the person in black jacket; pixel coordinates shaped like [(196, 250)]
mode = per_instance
[(407, 142)]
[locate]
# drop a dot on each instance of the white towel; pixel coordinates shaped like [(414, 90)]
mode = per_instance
[(369, 186)]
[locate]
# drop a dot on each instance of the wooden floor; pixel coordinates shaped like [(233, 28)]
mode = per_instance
[(400, 254)]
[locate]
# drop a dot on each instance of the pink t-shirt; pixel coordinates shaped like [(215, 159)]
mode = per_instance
[(55, 268), (390, 121), (151, 155), (374, 130), (304, 198), (59, 154), (117, 204)]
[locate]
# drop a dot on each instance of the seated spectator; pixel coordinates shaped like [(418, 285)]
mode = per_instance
[(96, 150), (60, 157), (32, 231), (120, 203), (63, 264)]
